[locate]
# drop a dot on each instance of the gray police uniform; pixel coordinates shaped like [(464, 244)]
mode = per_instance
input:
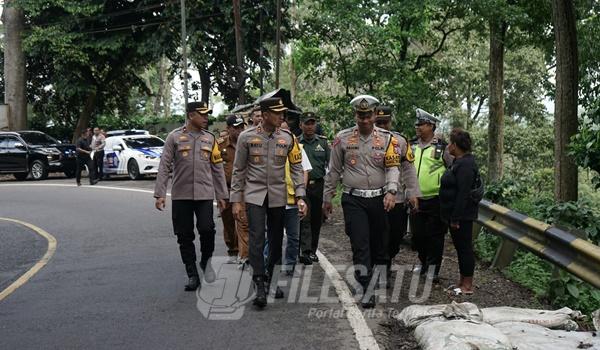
[(409, 187), (259, 180), (198, 178), (367, 167)]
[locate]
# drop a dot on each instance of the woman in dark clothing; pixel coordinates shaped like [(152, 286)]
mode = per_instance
[(458, 208)]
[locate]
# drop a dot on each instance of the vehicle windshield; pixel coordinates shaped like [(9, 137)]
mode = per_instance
[(143, 142), (38, 138)]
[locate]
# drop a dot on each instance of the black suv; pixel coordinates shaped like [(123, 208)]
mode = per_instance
[(32, 152)]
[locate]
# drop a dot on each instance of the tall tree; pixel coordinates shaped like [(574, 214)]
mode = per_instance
[(14, 65), (496, 100), (565, 110)]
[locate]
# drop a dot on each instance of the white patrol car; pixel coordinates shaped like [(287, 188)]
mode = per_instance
[(133, 155)]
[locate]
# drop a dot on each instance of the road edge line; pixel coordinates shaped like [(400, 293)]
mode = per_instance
[(52, 243), (362, 332)]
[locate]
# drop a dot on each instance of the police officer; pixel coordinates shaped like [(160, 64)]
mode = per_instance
[(431, 161), (259, 181), (235, 233), (256, 116), (84, 151), (318, 152), (366, 161), (409, 186), (193, 156)]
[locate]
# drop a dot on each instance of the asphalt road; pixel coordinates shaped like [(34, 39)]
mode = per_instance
[(116, 280)]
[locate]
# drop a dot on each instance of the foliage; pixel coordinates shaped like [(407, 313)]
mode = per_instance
[(585, 145)]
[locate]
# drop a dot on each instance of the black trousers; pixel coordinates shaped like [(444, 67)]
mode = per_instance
[(275, 219), (398, 219), (99, 164), (81, 163), (428, 231), (367, 227), (463, 242), (310, 226), (183, 225)]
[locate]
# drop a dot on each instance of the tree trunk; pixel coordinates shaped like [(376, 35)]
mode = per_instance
[(565, 105), (162, 81), (85, 115), (293, 75), (496, 101), (204, 82), (239, 52), (14, 66)]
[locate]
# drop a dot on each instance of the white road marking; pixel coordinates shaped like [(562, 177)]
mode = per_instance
[(38, 265), (363, 334)]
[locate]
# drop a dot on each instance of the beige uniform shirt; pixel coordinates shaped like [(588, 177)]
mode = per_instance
[(197, 167), (365, 163), (259, 167), (409, 183)]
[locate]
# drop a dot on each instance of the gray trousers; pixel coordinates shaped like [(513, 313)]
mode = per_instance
[(274, 217)]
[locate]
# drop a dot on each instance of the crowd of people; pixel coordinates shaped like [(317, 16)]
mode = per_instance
[(268, 181)]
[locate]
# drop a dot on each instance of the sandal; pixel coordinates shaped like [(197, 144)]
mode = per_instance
[(458, 291)]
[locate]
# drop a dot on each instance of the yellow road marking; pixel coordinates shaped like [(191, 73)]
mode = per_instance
[(38, 265)]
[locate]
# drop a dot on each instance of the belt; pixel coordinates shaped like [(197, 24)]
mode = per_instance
[(364, 193), (312, 182)]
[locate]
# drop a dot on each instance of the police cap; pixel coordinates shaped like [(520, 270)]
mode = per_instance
[(364, 103), (200, 107), (424, 117)]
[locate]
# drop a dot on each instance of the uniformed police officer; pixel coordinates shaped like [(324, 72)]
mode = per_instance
[(259, 180), (365, 159), (409, 186), (193, 156), (318, 152), (431, 160), (235, 232)]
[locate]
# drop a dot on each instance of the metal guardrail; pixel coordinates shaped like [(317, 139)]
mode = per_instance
[(562, 248)]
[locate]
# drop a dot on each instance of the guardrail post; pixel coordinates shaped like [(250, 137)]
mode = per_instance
[(476, 231), (504, 254)]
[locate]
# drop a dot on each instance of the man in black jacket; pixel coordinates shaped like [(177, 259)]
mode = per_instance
[(84, 151)]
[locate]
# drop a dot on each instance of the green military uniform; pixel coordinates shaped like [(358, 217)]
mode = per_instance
[(318, 152)]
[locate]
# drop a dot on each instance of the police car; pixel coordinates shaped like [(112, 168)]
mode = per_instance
[(135, 155)]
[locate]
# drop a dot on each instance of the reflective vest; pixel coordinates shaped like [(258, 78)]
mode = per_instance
[(429, 162), (291, 198)]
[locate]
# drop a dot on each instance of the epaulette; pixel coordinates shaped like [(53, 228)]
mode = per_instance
[(400, 135), (321, 137), (345, 131)]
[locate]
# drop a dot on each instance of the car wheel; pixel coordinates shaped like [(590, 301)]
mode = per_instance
[(20, 176), (133, 170), (39, 170)]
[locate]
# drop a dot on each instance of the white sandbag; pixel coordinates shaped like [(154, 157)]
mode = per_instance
[(528, 336), (596, 319), (557, 319), (460, 335), (414, 315)]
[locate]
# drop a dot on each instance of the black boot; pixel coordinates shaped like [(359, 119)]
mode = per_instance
[(278, 292), (261, 296), (194, 281), (207, 271)]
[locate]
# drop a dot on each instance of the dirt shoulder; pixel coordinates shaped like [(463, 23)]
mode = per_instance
[(492, 288)]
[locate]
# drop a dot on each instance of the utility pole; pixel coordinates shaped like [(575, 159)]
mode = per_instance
[(278, 38), (260, 49), (239, 51), (184, 53)]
